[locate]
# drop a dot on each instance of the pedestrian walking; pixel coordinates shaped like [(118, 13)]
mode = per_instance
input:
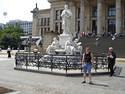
[(87, 61), (9, 52), (111, 60)]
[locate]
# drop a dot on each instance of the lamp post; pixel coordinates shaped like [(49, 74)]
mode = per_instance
[(29, 43), (29, 48)]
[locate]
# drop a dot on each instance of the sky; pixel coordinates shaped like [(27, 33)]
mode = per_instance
[(20, 9)]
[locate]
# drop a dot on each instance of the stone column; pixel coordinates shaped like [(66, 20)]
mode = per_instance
[(118, 17), (82, 16), (99, 17), (35, 27), (35, 12), (52, 19), (73, 22)]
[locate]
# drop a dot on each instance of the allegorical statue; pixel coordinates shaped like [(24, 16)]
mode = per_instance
[(66, 20), (54, 45)]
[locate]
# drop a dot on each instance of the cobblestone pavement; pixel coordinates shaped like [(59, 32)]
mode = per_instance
[(35, 83)]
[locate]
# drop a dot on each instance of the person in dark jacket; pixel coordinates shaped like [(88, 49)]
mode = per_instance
[(9, 52), (111, 60)]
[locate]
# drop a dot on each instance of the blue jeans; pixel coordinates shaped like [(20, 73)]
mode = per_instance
[(87, 68)]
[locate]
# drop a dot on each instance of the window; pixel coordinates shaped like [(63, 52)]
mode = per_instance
[(78, 13), (58, 21), (58, 14), (56, 27), (111, 11), (78, 26), (48, 29), (111, 26), (48, 21), (44, 21), (60, 27), (94, 12), (41, 21), (124, 10), (45, 29), (41, 31)]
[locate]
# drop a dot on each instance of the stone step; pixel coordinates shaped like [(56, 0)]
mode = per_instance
[(120, 60)]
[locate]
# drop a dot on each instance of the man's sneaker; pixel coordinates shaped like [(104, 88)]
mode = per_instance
[(83, 82)]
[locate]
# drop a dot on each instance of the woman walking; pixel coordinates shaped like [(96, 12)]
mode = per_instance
[(87, 60)]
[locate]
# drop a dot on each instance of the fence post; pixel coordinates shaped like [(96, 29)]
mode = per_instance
[(16, 60), (66, 65), (26, 60), (38, 60), (51, 63)]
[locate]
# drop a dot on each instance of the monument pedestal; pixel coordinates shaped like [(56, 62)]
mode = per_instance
[(63, 38)]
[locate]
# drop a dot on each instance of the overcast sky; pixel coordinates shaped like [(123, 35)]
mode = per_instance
[(19, 9)]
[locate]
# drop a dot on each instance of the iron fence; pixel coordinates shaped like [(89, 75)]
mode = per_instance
[(60, 62)]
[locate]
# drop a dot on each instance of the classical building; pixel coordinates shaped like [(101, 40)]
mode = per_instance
[(90, 16)]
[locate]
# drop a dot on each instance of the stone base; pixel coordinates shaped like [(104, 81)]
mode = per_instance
[(60, 52), (63, 38)]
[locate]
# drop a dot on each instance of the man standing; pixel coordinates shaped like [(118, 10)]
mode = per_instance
[(111, 60)]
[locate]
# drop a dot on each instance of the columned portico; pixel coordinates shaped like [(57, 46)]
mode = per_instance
[(91, 16), (118, 17), (99, 17)]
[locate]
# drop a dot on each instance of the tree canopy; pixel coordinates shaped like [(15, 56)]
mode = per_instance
[(10, 36)]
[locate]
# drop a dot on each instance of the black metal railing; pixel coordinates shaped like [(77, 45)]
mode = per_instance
[(61, 62)]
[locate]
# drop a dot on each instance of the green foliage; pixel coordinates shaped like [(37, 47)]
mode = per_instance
[(10, 36)]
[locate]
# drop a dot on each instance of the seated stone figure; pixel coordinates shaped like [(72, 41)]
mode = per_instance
[(75, 43), (77, 48), (51, 48), (55, 43), (69, 47)]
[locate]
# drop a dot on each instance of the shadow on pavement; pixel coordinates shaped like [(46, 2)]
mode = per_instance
[(100, 84), (120, 76), (117, 71)]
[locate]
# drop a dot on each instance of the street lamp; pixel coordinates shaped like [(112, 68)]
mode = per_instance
[(29, 42)]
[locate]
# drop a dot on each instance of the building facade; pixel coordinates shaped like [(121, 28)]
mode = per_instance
[(26, 26), (90, 16), (97, 17)]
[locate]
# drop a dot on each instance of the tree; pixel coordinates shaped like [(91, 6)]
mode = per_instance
[(10, 36)]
